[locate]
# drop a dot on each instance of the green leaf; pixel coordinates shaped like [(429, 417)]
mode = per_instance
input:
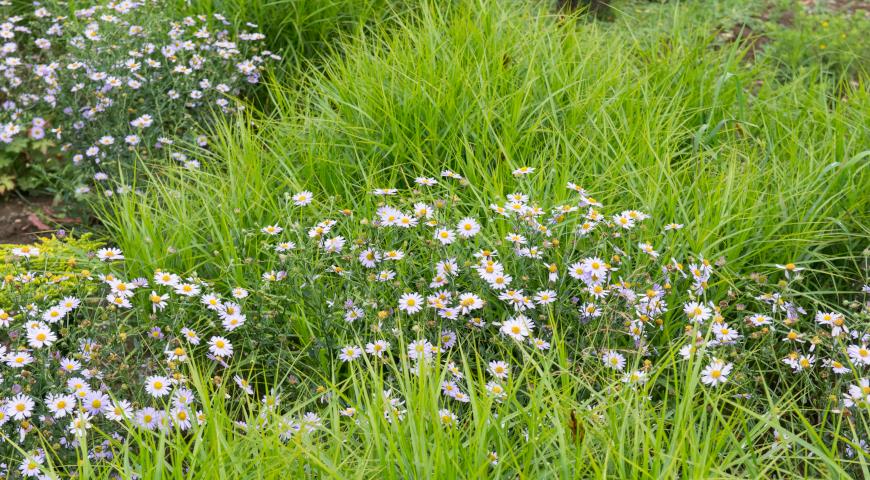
[(7, 183)]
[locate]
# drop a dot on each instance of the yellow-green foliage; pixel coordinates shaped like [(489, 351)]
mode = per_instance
[(52, 269)]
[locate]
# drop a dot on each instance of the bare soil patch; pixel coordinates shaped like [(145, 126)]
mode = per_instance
[(24, 220)]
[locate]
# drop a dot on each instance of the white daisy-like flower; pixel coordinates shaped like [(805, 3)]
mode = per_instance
[(411, 303), (468, 227), (350, 353), (614, 360), (220, 346), (716, 373), (303, 198), (158, 386), (109, 254)]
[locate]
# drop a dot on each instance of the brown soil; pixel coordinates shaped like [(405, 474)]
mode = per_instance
[(25, 220)]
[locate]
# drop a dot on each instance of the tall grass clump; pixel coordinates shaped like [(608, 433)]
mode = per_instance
[(761, 169), (661, 121)]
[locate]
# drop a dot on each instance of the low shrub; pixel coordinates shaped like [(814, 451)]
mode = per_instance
[(52, 267), (89, 92)]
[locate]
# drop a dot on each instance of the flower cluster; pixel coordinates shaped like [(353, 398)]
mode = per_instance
[(116, 81), (404, 288)]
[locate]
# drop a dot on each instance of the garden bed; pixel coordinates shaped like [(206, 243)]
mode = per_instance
[(465, 239)]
